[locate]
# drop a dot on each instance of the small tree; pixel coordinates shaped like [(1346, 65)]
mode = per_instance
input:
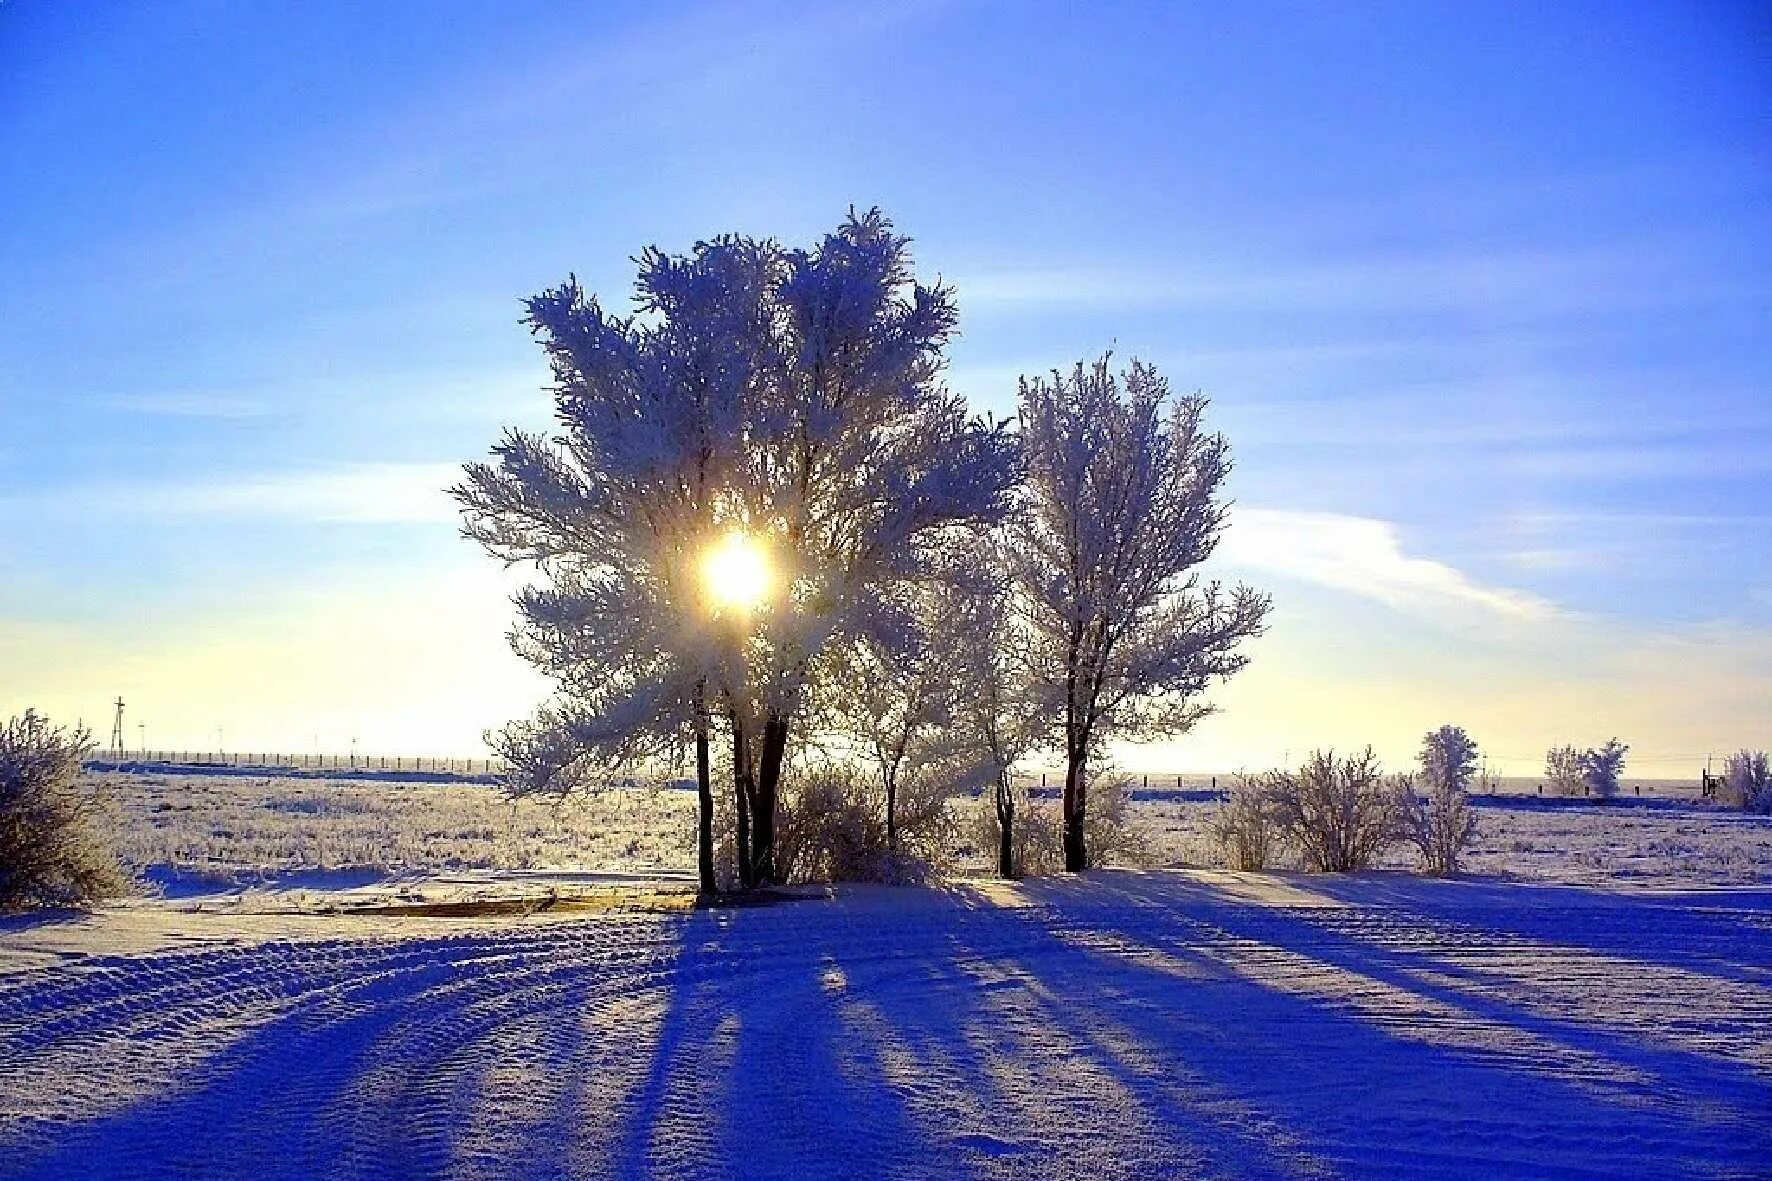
[(1002, 710), (1564, 771), (1340, 813), (1601, 769), (896, 703), (52, 852), (1123, 504), (1438, 817), (1448, 758), (1747, 781)]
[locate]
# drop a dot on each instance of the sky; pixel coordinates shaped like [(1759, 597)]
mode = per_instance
[(1479, 293)]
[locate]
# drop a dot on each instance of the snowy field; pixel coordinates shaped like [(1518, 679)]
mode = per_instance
[(1592, 1002), (197, 833)]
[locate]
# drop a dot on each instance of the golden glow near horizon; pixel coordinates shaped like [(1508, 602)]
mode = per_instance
[(736, 572)]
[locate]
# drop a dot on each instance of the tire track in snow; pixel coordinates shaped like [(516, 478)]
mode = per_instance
[(1119, 1026)]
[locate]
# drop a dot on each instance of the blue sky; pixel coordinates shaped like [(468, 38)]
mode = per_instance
[(1480, 293)]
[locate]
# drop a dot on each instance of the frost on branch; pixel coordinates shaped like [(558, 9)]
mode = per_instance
[(1591, 772), (1601, 769), (1004, 708)]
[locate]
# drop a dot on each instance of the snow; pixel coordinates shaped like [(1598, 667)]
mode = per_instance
[(1592, 1004), (1119, 1024)]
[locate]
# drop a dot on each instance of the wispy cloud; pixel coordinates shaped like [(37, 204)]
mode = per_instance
[(1365, 556), (1523, 282), (364, 493)]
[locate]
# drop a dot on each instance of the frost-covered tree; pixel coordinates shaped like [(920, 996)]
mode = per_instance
[(1124, 502), (1436, 810), (790, 398), (1602, 768), (53, 851), (1747, 781), (1448, 758), (1004, 709), (617, 509), (895, 704), (860, 470)]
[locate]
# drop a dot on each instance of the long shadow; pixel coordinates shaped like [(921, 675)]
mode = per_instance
[(757, 1072), (1328, 936), (1706, 1079), (1347, 1089), (1103, 1070), (1104, 1029), (1723, 933), (382, 1039)]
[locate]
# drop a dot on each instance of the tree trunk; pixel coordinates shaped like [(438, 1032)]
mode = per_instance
[(704, 796), (1076, 801), (1005, 829), (742, 791), (892, 813), (765, 791)]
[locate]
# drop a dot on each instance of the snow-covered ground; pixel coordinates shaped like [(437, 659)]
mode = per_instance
[(193, 833), (1594, 1003), (1127, 1024)]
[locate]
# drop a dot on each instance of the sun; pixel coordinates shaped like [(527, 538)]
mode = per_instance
[(736, 572)]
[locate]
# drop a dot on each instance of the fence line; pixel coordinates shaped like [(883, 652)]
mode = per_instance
[(306, 762)]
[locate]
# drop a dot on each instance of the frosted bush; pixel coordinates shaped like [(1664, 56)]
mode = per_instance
[(53, 848), (1436, 812), (831, 827), (1036, 842), (1243, 827), (1110, 833), (1440, 823), (1563, 773), (1747, 781), (1340, 813)]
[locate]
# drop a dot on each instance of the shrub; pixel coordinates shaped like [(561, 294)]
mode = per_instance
[(831, 827), (1747, 781), (52, 851), (1110, 837), (1571, 772), (1339, 812), (1036, 844), (1438, 819), (1563, 771), (1243, 826)]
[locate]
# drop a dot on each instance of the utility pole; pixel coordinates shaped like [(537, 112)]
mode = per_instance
[(141, 729), (117, 730)]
